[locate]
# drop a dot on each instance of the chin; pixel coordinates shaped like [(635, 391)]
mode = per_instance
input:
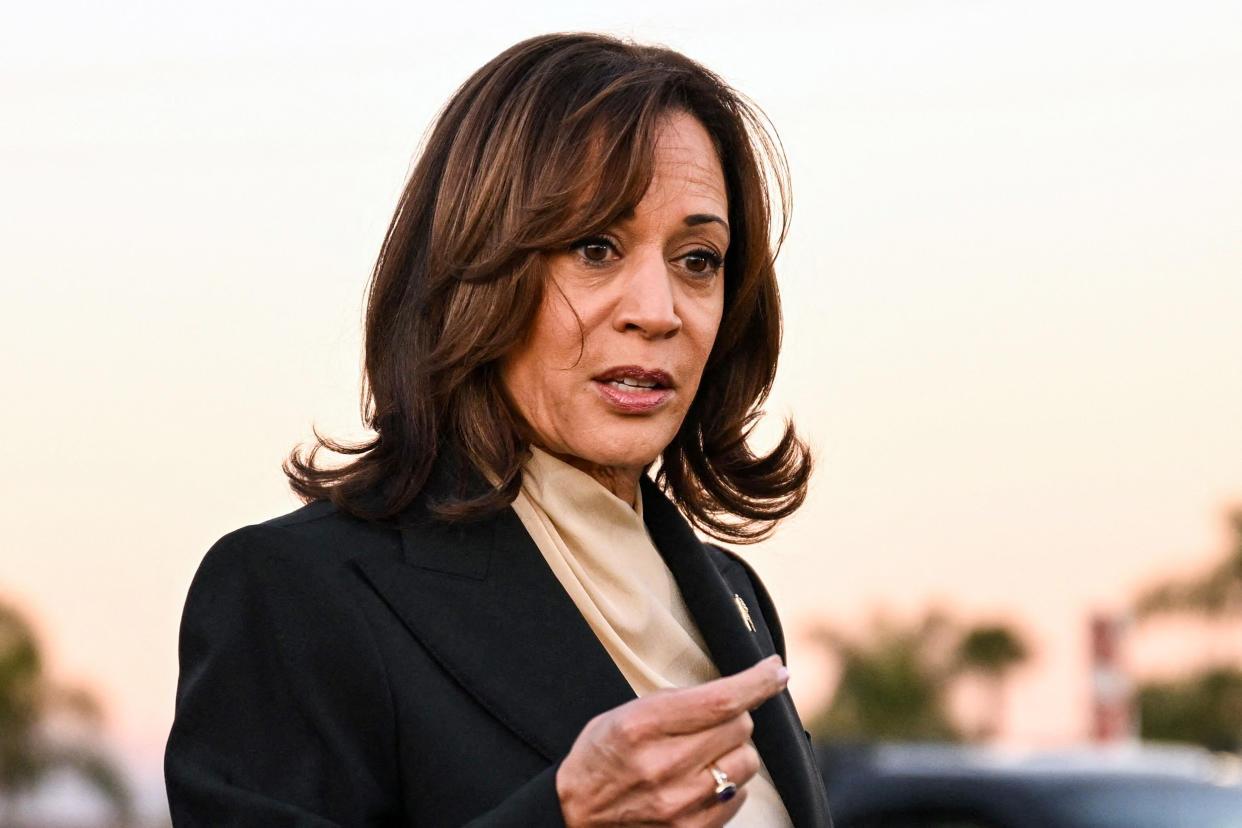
[(625, 449), (627, 458)]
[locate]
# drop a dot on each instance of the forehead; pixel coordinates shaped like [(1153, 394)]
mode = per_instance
[(614, 166), (685, 159)]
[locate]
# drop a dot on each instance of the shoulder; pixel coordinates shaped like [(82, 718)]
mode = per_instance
[(278, 633), (316, 537), (297, 571), (285, 592), (301, 568)]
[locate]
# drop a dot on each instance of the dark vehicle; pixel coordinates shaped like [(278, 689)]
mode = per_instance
[(950, 786)]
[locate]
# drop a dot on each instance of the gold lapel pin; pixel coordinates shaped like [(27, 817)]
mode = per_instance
[(743, 611)]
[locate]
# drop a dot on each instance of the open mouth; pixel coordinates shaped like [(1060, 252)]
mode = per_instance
[(635, 390), (634, 378), (630, 383)]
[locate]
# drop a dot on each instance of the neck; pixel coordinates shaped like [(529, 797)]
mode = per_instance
[(622, 481)]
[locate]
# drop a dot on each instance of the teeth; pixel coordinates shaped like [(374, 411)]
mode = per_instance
[(628, 382)]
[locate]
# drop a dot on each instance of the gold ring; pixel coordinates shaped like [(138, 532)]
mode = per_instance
[(725, 790)]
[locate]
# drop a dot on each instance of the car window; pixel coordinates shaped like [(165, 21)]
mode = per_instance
[(1153, 804), (923, 818)]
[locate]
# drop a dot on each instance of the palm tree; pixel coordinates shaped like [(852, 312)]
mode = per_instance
[(1214, 593), (1204, 709), (992, 651), (892, 684), (27, 701)]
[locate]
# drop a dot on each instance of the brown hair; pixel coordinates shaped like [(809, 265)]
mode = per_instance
[(551, 141)]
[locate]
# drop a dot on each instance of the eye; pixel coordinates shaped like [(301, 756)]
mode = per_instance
[(595, 249), (702, 262)]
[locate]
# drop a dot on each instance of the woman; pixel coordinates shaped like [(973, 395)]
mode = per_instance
[(491, 615)]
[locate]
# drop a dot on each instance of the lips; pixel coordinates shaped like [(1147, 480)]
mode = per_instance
[(632, 389), (635, 376)]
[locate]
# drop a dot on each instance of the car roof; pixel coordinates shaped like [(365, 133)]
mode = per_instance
[(1015, 788), (939, 759)]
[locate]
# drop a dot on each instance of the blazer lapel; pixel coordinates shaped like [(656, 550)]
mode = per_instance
[(709, 595), (482, 601), (485, 605)]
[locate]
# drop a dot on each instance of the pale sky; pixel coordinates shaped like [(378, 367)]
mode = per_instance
[(1013, 287)]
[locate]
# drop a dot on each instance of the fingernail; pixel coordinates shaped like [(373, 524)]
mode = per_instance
[(782, 675)]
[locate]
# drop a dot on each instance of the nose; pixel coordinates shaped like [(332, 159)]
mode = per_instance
[(646, 304)]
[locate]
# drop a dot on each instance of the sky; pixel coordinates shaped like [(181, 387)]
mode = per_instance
[(1012, 296)]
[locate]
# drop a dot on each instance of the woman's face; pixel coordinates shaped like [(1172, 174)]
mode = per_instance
[(615, 353)]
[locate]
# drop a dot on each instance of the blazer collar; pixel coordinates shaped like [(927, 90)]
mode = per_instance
[(711, 595), (485, 605), (483, 602)]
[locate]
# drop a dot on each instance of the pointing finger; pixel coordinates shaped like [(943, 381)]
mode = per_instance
[(707, 705)]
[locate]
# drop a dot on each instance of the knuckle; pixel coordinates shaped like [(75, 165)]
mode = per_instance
[(650, 772), (628, 730), (746, 725), (648, 769), (664, 806), (720, 705), (599, 723), (750, 761)]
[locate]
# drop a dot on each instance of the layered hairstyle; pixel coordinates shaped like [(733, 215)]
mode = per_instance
[(550, 142)]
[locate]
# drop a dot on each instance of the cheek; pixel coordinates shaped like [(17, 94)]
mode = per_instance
[(530, 372), (704, 320), (555, 338)]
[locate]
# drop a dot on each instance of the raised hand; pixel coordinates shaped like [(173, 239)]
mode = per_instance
[(648, 762)]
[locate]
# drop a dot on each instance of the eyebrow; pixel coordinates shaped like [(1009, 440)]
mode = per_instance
[(696, 219)]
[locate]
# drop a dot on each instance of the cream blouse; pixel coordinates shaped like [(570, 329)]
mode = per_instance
[(598, 547)]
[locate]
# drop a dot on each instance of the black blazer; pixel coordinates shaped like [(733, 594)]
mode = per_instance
[(336, 672)]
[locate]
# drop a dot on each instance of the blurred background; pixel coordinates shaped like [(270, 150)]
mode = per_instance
[(1013, 301)]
